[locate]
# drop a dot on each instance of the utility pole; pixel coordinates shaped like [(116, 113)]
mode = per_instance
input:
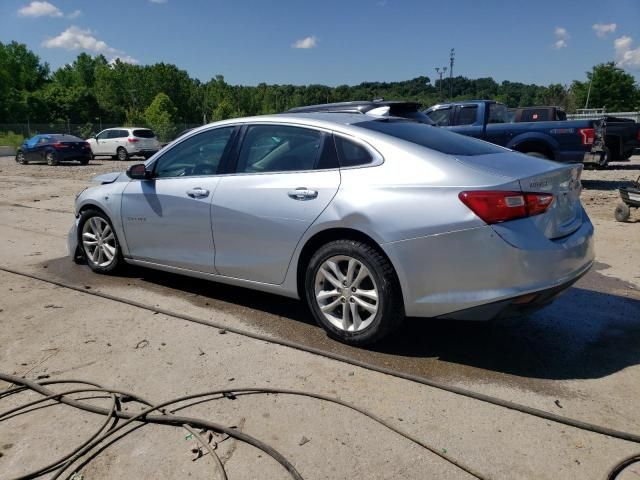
[(452, 55), (440, 71), (593, 72)]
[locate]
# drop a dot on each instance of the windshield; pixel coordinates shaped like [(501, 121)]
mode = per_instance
[(143, 133), (434, 138)]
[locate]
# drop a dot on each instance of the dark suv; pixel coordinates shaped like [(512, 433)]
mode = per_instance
[(410, 110)]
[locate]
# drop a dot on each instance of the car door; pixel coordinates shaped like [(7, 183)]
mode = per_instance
[(99, 145), (28, 147), (466, 121), (167, 218), (37, 153), (282, 178)]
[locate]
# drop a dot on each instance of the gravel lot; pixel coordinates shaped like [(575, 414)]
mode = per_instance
[(579, 357)]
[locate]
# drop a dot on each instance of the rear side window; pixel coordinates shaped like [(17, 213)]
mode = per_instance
[(434, 138), (467, 115), (498, 113), (352, 154), (143, 133), (278, 148)]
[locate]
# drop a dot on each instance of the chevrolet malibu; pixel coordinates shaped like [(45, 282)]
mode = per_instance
[(368, 219)]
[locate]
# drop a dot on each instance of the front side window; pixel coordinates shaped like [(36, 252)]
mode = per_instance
[(440, 117), (103, 135), (197, 155), (278, 148)]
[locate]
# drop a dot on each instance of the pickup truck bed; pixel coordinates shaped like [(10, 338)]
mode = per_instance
[(576, 141)]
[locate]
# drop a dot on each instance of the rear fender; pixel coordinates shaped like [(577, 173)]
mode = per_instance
[(543, 140)]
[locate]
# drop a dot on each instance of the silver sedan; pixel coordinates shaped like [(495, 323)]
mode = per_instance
[(367, 219)]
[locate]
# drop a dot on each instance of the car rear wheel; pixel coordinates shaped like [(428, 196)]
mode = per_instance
[(622, 212), (353, 292), (98, 242), (51, 159), (84, 161), (21, 158), (122, 154)]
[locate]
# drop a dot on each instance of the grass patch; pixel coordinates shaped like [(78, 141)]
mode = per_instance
[(11, 139)]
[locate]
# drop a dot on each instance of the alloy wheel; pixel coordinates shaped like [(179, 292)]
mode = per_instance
[(99, 241), (346, 293)]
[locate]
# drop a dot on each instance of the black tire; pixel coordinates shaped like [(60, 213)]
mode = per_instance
[(84, 161), (51, 159), (21, 158), (537, 155), (97, 267), (123, 155), (622, 212), (390, 307)]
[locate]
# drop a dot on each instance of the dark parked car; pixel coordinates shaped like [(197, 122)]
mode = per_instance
[(410, 110), (54, 148)]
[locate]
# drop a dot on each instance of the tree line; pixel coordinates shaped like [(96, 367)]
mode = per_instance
[(92, 90)]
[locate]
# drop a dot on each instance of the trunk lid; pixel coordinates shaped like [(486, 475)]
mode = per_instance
[(564, 216), (536, 175)]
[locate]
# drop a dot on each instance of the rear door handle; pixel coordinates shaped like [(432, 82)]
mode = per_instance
[(302, 193), (198, 192)]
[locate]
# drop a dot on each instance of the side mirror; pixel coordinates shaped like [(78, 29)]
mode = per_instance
[(138, 172)]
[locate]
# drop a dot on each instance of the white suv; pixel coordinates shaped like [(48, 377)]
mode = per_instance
[(122, 142)]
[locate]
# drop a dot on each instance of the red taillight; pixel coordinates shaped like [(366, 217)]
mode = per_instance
[(588, 135), (638, 134), (60, 145), (499, 206), (132, 140), (86, 145)]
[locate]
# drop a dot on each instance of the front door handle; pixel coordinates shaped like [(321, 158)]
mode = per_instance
[(302, 193), (198, 192)]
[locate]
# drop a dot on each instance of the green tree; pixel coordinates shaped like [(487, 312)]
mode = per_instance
[(611, 88), (160, 116)]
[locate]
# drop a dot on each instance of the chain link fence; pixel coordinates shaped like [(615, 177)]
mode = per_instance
[(13, 134)]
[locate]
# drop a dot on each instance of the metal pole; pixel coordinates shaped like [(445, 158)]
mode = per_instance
[(452, 55), (586, 105)]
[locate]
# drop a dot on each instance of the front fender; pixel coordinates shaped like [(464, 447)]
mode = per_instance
[(108, 198)]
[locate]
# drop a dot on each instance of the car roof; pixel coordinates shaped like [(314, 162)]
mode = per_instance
[(361, 106)]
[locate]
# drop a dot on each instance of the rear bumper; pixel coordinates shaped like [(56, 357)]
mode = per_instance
[(514, 307), (142, 151), (444, 274)]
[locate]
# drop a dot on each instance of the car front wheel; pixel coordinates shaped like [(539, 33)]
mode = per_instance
[(353, 293), (98, 241), (21, 158)]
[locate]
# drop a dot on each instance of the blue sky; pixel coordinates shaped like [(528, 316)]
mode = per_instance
[(348, 41)]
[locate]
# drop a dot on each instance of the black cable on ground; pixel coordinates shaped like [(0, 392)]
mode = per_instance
[(632, 437), (170, 419), (586, 426)]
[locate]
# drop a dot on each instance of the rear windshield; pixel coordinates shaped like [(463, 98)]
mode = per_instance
[(434, 138), (65, 138), (413, 115), (144, 133)]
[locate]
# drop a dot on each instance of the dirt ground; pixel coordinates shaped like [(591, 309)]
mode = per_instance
[(578, 357)]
